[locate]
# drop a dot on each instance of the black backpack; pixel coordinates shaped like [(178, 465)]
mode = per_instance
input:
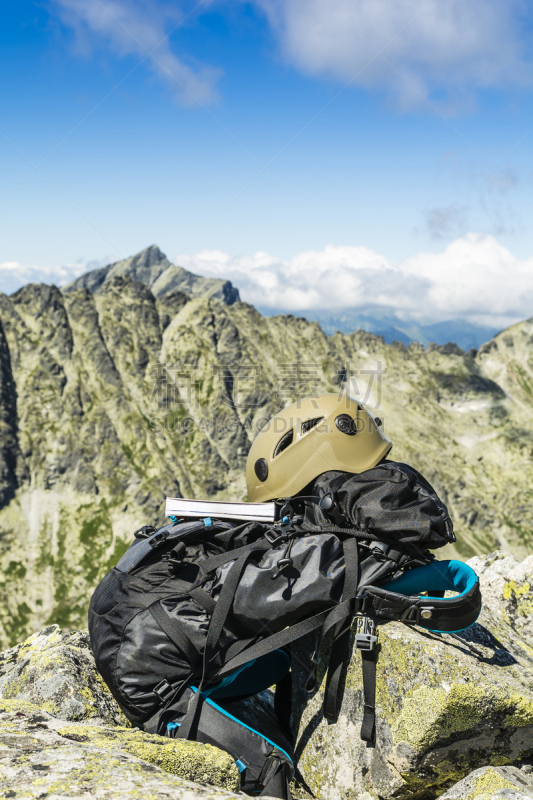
[(201, 613)]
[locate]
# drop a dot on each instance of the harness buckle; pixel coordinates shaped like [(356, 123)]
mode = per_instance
[(365, 638)]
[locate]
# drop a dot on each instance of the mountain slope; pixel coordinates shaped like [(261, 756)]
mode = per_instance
[(111, 400), (152, 268)]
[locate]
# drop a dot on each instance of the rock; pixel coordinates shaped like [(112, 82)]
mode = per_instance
[(53, 675), (189, 760), (57, 673), (507, 587), (443, 707), (489, 783), (40, 758)]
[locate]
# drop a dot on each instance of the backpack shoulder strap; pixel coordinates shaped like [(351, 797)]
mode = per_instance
[(142, 547)]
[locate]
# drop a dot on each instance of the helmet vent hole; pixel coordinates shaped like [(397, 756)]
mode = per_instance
[(284, 442), (346, 424), (310, 423)]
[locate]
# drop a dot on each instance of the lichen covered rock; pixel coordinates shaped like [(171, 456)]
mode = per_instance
[(444, 708), (37, 761), (189, 760), (53, 674), (507, 587), (490, 783), (56, 672)]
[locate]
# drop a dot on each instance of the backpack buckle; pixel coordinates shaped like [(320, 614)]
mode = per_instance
[(176, 556), (411, 615), (274, 537), (144, 532), (158, 539), (365, 637), (164, 690)]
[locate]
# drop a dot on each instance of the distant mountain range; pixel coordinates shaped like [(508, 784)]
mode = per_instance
[(393, 329)]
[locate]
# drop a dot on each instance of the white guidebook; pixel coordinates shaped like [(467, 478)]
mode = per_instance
[(181, 507)]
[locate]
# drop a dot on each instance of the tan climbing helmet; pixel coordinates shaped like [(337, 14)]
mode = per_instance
[(312, 436)]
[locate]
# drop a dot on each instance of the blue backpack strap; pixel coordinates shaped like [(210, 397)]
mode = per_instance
[(265, 767)]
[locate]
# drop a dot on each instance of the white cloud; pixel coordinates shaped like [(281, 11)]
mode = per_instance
[(140, 28), (14, 275), (441, 49), (474, 278)]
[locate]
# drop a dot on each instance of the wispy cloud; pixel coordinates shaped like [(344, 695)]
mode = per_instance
[(444, 50), (445, 222), (491, 199), (141, 28)]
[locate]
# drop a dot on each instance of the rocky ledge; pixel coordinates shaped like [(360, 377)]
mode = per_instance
[(455, 718)]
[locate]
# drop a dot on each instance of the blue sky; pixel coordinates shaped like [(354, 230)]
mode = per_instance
[(282, 127)]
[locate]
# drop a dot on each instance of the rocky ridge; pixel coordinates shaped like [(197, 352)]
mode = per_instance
[(455, 720), (112, 399)]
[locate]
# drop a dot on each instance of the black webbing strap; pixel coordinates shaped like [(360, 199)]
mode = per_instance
[(340, 649), (299, 778), (368, 728), (172, 630), (275, 777), (337, 661), (214, 562), (203, 599), (216, 625), (284, 637)]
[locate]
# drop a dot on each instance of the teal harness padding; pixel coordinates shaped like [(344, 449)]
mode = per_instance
[(439, 577)]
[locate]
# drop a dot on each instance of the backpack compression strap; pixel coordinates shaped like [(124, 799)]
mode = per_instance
[(380, 605)]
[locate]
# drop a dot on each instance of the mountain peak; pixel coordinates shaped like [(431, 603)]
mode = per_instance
[(147, 258), (153, 268)]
